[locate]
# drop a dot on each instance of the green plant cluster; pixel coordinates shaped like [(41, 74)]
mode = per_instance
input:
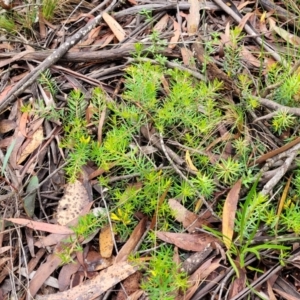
[(163, 277), (172, 104), (187, 112)]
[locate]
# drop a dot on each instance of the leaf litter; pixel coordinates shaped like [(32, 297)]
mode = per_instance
[(198, 204)]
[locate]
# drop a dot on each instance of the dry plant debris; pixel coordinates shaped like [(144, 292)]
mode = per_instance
[(149, 149), (72, 203)]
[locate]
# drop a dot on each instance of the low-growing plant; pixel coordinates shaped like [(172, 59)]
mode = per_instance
[(232, 52), (48, 9), (7, 23), (163, 276), (283, 120)]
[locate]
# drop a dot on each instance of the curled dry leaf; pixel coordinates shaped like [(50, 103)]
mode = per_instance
[(53, 228), (34, 143), (175, 37), (72, 203), (291, 38)]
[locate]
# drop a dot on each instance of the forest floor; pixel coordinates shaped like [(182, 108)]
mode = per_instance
[(149, 149)]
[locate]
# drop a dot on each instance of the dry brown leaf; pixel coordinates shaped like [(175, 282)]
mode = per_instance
[(161, 25), (131, 285), (35, 260), (95, 262), (188, 57), (96, 286), (188, 219), (187, 241), (115, 27), (4, 260), (107, 40), (238, 284), (18, 139), (189, 161), (6, 142), (290, 38), (195, 260), (4, 249), (35, 142), (91, 37), (174, 39), (285, 295), (7, 125), (106, 242), (199, 275), (51, 239), (282, 201), (42, 26), (248, 57), (270, 291), (55, 238), (42, 273), (229, 211), (72, 203), (137, 295), (132, 241), (65, 274), (194, 17), (53, 228)]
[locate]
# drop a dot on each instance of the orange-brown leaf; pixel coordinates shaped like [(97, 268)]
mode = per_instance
[(106, 242), (229, 211)]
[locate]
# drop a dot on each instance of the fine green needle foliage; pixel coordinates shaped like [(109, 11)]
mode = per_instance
[(135, 176), (163, 276), (48, 82), (228, 170), (49, 7), (7, 23), (76, 139), (287, 93), (282, 121), (232, 53)]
